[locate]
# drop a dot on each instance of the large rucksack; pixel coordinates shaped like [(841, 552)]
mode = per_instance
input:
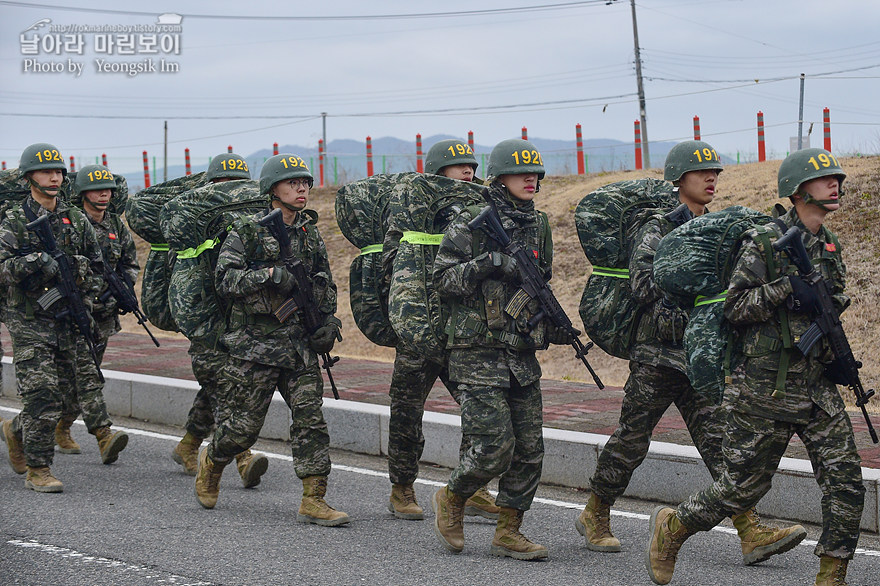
[(693, 263), (195, 224), (422, 209), (607, 222), (362, 215), (142, 214)]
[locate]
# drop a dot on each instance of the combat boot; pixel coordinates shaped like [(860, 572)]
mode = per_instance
[(448, 519), (17, 459), (403, 503), (832, 571), (66, 444), (594, 523), (110, 443), (251, 467), (509, 542), (314, 509), (186, 453), (481, 504), (208, 480), (40, 479), (667, 534), (760, 542)]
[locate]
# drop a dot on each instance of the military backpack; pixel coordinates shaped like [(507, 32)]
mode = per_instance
[(607, 222)]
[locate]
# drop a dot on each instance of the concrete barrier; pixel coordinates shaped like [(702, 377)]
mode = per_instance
[(669, 474)]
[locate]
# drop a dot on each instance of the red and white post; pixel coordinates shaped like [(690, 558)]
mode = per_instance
[(638, 144), (320, 162), (420, 161), (146, 170), (369, 157), (188, 165), (826, 128), (580, 148), (697, 128), (525, 133), (762, 152)]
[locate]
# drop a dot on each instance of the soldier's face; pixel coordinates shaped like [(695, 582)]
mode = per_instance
[(99, 198), (48, 179), (698, 186), (463, 172), (523, 187), (825, 190), (294, 192)]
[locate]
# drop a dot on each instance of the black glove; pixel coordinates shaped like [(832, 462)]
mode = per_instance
[(802, 298), (505, 266), (30, 264), (836, 373), (561, 336), (283, 279), (324, 337), (50, 268)]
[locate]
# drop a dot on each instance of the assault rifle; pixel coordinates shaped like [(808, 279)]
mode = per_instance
[(301, 299), (827, 323), (532, 284), (66, 288), (120, 287)]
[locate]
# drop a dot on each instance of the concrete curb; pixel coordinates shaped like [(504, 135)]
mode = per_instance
[(670, 473)]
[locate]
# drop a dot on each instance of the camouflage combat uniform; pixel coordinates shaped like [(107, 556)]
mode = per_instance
[(207, 363), (118, 252), (264, 353), (47, 350), (759, 424), (492, 357), (658, 378), (415, 371)]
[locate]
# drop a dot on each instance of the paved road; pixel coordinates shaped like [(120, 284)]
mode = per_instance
[(137, 523)]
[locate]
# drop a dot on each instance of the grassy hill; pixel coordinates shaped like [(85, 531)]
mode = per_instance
[(753, 185)]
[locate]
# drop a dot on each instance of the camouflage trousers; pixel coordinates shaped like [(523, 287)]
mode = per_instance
[(649, 391), (248, 388), (43, 370), (411, 382), (752, 449), (504, 428), (207, 364), (86, 396)]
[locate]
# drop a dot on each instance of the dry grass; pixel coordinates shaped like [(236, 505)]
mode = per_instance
[(752, 185)]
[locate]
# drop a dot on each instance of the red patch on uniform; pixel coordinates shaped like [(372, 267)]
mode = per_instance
[(830, 247), (536, 253), (111, 235), (65, 220)]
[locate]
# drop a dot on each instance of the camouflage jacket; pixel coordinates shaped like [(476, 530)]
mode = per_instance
[(488, 345), (76, 238), (242, 276), (756, 307), (118, 250), (660, 330)]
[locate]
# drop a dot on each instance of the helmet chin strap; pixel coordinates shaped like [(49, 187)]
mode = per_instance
[(822, 203), (289, 206), (47, 191), (100, 206)]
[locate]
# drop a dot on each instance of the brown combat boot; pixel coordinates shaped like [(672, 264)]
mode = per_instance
[(832, 571), (251, 467), (594, 523), (17, 459), (482, 504), (760, 542), (314, 509), (208, 480), (40, 479), (110, 443), (509, 542), (448, 519), (186, 453), (667, 534), (66, 444), (403, 503)]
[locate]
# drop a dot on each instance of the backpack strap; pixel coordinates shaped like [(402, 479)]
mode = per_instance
[(763, 236)]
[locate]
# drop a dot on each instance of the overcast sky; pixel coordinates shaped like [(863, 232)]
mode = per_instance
[(254, 73)]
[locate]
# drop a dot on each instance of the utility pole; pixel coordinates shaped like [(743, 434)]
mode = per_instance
[(801, 116), (642, 111), (165, 164), (324, 129)]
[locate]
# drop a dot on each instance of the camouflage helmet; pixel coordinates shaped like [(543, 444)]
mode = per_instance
[(41, 155), (227, 166), (803, 165), (690, 155), (281, 167), (515, 156), (93, 177), (449, 152)]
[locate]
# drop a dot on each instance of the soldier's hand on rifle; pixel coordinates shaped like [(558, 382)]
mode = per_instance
[(561, 336), (50, 268), (324, 338), (25, 266), (505, 266), (82, 264), (283, 279), (802, 298)]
